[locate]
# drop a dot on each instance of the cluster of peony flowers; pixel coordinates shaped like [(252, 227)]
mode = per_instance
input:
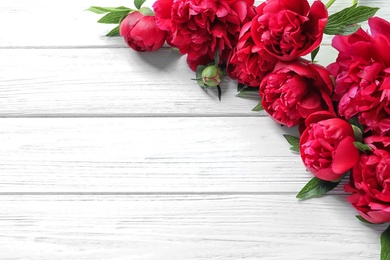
[(263, 47)]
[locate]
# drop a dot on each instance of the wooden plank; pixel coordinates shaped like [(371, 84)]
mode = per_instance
[(104, 82), (41, 23), (183, 227), (225, 154)]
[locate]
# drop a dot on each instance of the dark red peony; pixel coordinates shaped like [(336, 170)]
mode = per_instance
[(247, 62), (327, 146), (295, 90), (141, 33), (200, 28), (362, 76), (370, 182), (289, 29)]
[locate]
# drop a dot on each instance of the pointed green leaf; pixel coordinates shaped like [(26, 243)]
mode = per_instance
[(362, 147), (355, 121), (139, 3), (216, 57), (103, 10), (114, 32), (198, 75), (385, 245), (293, 141), (344, 21), (314, 53), (247, 91), (219, 92), (362, 219), (316, 187), (146, 11), (357, 133), (349, 29), (258, 107), (113, 18)]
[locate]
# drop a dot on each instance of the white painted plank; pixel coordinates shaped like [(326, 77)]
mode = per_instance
[(183, 227), (113, 81), (210, 154), (43, 23)]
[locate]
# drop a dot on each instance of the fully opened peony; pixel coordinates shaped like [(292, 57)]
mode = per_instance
[(362, 76), (141, 33), (199, 28), (295, 90), (327, 146), (370, 182), (247, 62), (288, 29)]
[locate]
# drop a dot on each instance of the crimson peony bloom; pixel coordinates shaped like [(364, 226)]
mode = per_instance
[(362, 76), (327, 146), (370, 180), (289, 29), (141, 33), (200, 28), (247, 62), (295, 90)]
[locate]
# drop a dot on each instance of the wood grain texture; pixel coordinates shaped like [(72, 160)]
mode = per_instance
[(183, 227), (112, 82), (226, 154), (47, 24), (111, 154)]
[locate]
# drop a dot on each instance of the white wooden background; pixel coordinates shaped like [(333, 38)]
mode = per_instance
[(106, 153)]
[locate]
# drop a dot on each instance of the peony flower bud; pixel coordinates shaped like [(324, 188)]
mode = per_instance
[(141, 33), (212, 76)]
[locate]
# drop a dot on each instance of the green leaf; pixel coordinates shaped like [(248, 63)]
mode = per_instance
[(349, 29), (358, 133), (293, 141), (316, 187), (198, 74), (247, 91), (114, 32), (385, 244), (216, 57), (219, 92), (314, 53), (355, 121), (103, 10), (146, 11), (113, 18), (362, 219), (345, 21), (139, 3), (258, 107), (362, 147)]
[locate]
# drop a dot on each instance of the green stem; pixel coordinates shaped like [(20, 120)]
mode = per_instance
[(330, 2), (355, 2)]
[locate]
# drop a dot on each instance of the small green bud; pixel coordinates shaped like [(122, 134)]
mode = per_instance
[(212, 76)]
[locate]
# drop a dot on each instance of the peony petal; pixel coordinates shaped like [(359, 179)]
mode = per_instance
[(346, 156), (318, 116), (301, 7), (163, 8), (379, 26)]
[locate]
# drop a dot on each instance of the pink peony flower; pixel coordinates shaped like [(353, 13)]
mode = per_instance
[(327, 146), (295, 90), (362, 76), (200, 28), (141, 33), (289, 29), (369, 182), (247, 62)]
